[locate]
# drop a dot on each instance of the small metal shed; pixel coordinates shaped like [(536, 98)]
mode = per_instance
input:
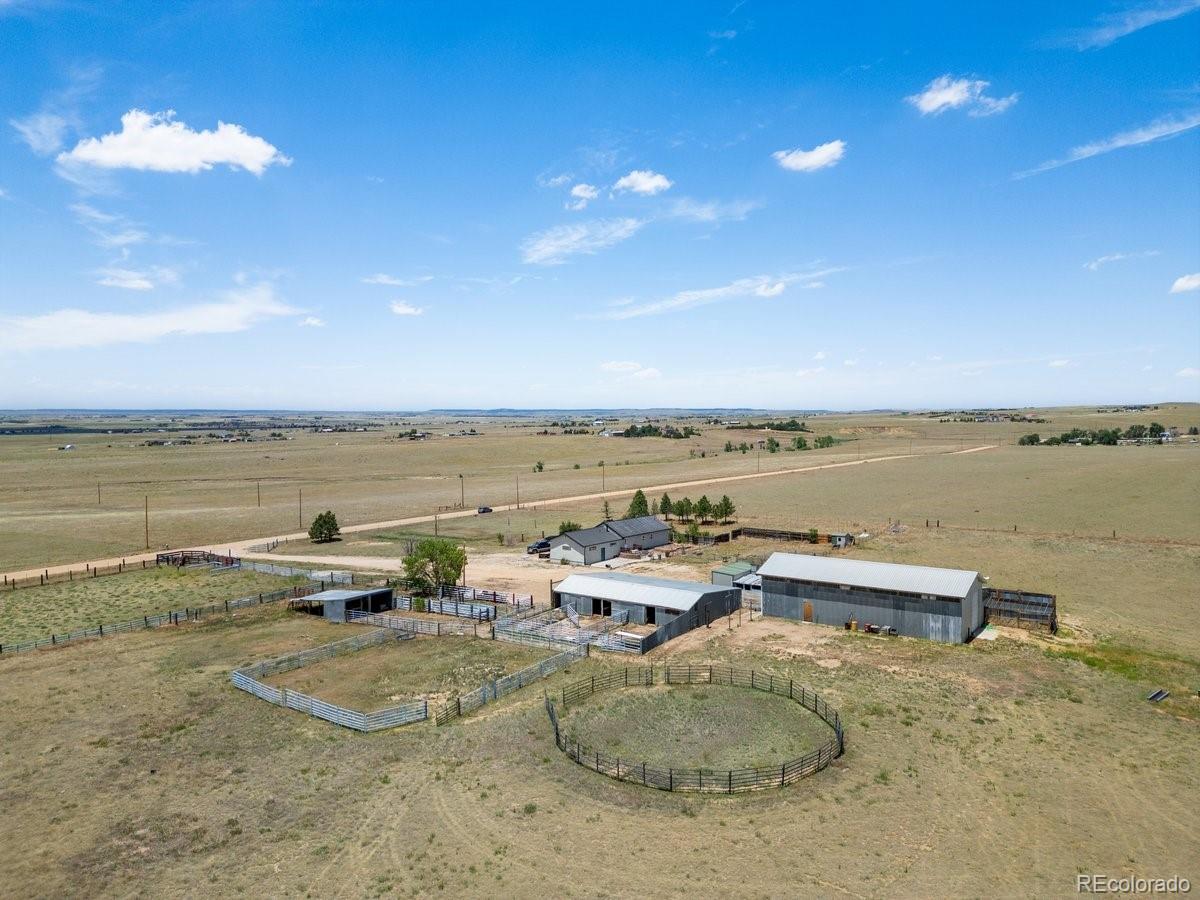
[(336, 603), (729, 573)]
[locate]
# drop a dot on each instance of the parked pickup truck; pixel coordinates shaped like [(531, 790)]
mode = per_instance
[(538, 547), (483, 509)]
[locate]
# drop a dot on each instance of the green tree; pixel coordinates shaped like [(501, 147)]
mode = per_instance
[(772, 445), (684, 509), (637, 506), (567, 525), (704, 508), (729, 446), (666, 507), (799, 443), (724, 509), (1028, 440), (743, 446), (1156, 430), (654, 507), (538, 466), (434, 561), (607, 511), (324, 528), (824, 441)]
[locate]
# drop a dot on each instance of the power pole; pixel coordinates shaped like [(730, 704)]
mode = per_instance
[(301, 508), (147, 521), (259, 485), (462, 493), (602, 487), (97, 493), (518, 492)]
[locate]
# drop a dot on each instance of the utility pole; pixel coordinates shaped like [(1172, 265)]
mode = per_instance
[(462, 493), (518, 492), (602, 488), (97, 493), (435, 525), (300, 507), (259, 485), (147, 521)]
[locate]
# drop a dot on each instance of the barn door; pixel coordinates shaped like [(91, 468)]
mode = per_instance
[(808, 614)]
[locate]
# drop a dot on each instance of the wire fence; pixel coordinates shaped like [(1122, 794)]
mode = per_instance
[(187, 614), (491, 691), (669, 778), (552, 627), (247, 679), (88, 571), (464, 592)]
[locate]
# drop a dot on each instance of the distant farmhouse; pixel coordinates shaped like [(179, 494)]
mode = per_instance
[(605, 541), (918, 601)]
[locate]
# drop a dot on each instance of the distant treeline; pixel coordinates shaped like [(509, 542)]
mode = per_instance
[(666, 431), (770, 425), (1106, 436)]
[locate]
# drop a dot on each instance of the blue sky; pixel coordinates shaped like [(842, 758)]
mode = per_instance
[(339, 206)]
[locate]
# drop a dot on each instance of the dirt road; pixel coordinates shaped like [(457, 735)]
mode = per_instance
[(242, 548)]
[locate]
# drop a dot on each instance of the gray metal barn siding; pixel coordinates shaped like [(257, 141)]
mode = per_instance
[(946, 619)]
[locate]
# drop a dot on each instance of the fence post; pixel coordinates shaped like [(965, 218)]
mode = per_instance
[(782, 773), (731, 781), (671, 779)]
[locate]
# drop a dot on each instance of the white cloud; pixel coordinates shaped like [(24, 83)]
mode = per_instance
[(819, 157), (583, 193), (947, 92), (1113, 27), (710, 211), (156, 142), (850, 362), (727, 35), (393, 281), (934, 358), (108, 230), (765, 286), (1158, 130), (629, 369), (234, 310), (556, 245), (553, 181), (1095, 264), (136, 279), (400, 308), (44, 131), (1186, 283), (1059, 363), (819, 355), (1189, 372), (803, 373), (311, 322), (644, 182)]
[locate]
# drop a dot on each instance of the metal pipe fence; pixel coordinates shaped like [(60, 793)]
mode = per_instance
[(247, 679), (701, 780), (491, 691), (174, 617), (411, 625)]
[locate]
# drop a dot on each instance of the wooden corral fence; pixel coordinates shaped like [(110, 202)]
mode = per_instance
[(722, 781), (469, 594), (247, 679), (1021, 608), (491, 691), (187, 614), (88, 571), (552, 628)]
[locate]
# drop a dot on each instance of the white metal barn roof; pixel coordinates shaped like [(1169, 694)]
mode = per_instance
[(878, 575), (638, 589)]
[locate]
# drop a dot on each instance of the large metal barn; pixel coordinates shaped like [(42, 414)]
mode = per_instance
[(918, 601)]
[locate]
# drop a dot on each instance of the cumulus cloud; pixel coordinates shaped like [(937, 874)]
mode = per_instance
[(763, 286), (400, 308), (146, 279), (1186, 283), (556, 245), (819, 355), (232, 311), (393, 281), (311, 322), (1059, 363), (947, 92), (1189, 372), (1095, 264), (820, 157), (582, 194), (1158, 130), (156, 142), (44, 132), (1113, 27), (644, 182), (553, 181), (803, 373), (850, 362)]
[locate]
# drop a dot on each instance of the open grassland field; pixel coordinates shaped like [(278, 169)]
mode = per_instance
[(36, 612), (435, 667), (695, 726), (187, 786), (208, 492)]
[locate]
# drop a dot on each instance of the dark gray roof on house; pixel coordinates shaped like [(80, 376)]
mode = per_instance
[(628, 528), (590, 537)]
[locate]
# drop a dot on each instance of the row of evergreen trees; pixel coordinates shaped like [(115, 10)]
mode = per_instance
[(704, 510)]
